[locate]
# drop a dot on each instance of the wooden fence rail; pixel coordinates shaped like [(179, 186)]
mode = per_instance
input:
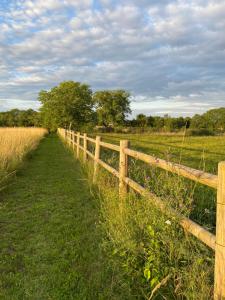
[(217, 242)]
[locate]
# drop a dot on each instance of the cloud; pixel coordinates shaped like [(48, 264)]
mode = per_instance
[(163, 52)]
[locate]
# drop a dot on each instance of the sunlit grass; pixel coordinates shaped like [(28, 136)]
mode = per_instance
[(201, 153), (15, 143), (156, 258)]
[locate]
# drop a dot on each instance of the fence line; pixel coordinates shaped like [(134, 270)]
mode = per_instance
[(217, 242)]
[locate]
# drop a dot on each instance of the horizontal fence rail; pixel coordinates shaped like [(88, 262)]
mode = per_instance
[(215, 242)]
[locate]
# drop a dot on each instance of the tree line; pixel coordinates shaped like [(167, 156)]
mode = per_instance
[(74, 105)]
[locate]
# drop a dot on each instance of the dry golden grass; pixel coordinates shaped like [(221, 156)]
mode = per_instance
[(14, 144)]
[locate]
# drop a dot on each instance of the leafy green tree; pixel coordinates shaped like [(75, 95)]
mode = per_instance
[(213, 120), (142, 120), (216, 118), (68, 104), (200, 122), (112, 107), (23, 118)]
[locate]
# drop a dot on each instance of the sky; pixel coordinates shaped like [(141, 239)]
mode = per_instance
[(170, 55)]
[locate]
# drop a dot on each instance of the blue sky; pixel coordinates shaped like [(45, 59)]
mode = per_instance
[(169, 54)]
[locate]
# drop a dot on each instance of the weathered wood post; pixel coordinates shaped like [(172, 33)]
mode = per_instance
[(73, 141), (219, 285), (123, 168), (97, 156), (85, 148), (78, 144), (70, 141)]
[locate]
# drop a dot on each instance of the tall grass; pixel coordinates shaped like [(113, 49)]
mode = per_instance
[(156, 259), (15, 143)]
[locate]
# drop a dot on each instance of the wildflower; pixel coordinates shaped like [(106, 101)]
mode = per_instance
[(168, 222), (207, 211)]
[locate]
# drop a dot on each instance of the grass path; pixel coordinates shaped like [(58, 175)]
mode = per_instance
[(49, 237)]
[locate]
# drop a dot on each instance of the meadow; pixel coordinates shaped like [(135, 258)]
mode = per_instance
[(63, 237), (202, 153), (154, 252), (15, 143)]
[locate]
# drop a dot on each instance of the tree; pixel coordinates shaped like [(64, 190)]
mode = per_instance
[(112, 107), (216, 118), (22, 118), (142, 120), (68, 104)]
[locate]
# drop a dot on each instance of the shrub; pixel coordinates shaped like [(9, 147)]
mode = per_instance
[(200, 132)]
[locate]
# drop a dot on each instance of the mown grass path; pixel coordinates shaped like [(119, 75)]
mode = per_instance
[(49, 234)]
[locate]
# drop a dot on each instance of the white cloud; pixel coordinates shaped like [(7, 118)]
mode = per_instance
[(158, 50)]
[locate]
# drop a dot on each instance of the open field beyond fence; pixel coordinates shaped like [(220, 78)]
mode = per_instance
[(80, 143), (202, 153)]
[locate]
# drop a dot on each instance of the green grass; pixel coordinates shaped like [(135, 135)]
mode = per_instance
[(148, 251), (62, 238), (50, 238), (202, 153)]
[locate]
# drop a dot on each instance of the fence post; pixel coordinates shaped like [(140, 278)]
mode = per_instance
[(219, 279), (70, 138), (85, 148), (97, 156), (78, 144), (73, 140), (123, 168)]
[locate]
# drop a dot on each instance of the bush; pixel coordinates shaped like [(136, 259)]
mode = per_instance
[(200, 132)]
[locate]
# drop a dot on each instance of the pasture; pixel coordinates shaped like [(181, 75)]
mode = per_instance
[(202, 153)]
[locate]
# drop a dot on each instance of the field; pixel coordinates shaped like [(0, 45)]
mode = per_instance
[(64, 238), (15, 143), (201, 153)]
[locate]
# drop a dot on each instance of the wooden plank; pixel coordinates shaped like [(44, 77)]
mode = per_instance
[(110, 146), (90, 154), (193, 174), (81, 147), (198, 231), (123, 168), (219, 282), (108, 168), (91, 140)]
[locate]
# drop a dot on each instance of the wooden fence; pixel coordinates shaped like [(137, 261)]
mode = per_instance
[(217, 243)]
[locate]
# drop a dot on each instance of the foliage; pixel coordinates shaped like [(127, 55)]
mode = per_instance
[(112, 107), (20, 118), (72, 104), (213, 120), (68, 104)]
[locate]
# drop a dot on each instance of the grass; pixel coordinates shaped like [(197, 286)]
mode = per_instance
[(50, 235), (150, 250), (202, 153), (15, 144), (63, 238), (159, 260)]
